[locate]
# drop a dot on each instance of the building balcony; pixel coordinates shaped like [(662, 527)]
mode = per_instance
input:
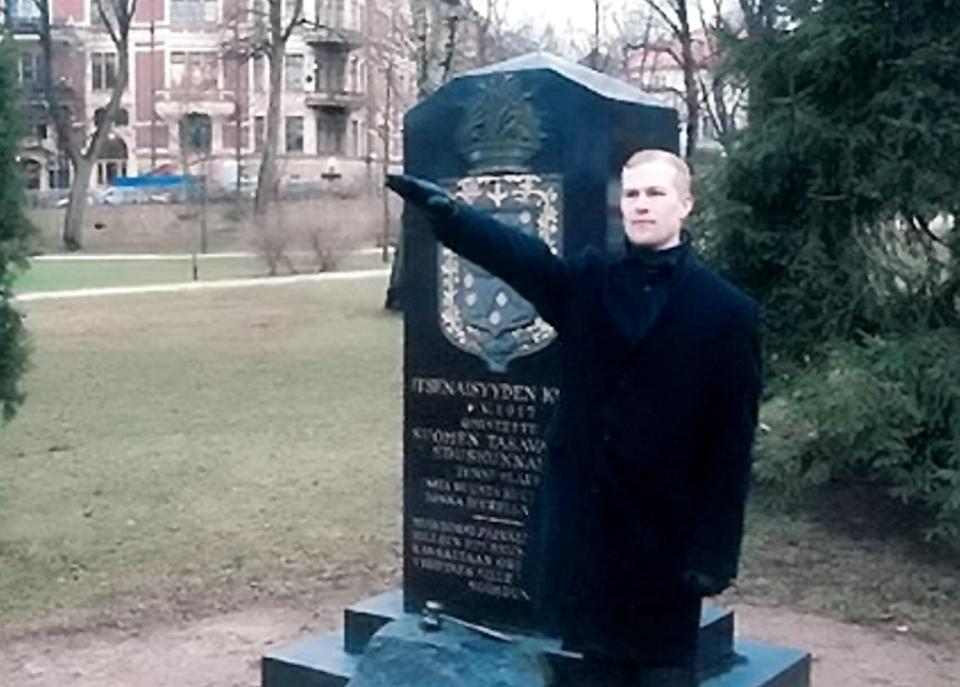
[(34, 94), (45, 146), (23, 24), (331, 37), (172, 104), (334, 100)]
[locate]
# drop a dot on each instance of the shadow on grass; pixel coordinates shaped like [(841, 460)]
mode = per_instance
[(854, 554)]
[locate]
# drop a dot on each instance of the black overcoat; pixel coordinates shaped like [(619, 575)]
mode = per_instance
[(650, 446)]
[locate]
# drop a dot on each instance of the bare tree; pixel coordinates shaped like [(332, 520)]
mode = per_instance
[(595, 51), (237, 50), (453, 35), (723, 93), (490, 23), (759, 16), (676, 17), (401, 51), (633, 38), (115, 17), (274, 44), (435, 29)]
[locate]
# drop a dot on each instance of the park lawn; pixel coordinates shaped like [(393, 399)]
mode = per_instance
[(66, 274), (191, 452), (183, 454), (63, 275)]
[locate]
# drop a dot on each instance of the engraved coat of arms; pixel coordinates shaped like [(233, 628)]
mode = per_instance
[(480, 313)]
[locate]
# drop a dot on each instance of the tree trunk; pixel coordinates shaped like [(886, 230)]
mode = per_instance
[(77, 205), (690, 87), (394, 299), (418, 13), (267, 179)]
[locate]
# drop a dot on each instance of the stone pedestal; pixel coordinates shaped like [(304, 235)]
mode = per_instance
[(331, 660)]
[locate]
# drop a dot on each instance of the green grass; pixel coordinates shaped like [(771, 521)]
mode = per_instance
[(62, 275), (185, 453), (195, 451), (57, 275)]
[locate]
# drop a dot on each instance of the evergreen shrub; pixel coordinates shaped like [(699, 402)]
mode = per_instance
[(885, 411), (835, 208), (14, 229)]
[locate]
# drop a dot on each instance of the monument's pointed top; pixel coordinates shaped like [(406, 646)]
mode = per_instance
[(598, 82)]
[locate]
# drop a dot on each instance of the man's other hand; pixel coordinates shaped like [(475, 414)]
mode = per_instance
[(434, 199)]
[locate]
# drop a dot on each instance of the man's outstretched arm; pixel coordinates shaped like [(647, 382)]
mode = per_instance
[(523, 261)]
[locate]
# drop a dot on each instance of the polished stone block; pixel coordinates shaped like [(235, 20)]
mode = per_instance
[(320, 661), (329, 660)]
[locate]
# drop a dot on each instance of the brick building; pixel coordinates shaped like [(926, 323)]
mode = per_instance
[(193, 102)]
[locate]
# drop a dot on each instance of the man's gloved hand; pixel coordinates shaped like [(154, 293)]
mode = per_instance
[(435, 200), (703, 584)]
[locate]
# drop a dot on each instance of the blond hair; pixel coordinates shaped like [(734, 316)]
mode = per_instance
[(642, 157)]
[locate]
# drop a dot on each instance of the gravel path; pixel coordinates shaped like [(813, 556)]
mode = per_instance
[(224, 651)]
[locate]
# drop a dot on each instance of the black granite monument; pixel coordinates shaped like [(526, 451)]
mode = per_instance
[(539, 141)]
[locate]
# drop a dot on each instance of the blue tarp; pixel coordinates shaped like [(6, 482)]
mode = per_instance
[(154, 181)]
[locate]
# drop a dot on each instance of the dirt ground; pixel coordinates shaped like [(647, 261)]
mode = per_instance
[(224, 651)]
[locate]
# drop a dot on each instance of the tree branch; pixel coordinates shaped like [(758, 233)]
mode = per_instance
[(672, 22), (293, 21), (102, 13)]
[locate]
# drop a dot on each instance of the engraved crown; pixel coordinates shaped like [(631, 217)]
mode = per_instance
[(501, 129)]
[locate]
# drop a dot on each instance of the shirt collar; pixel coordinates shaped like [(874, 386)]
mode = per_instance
[(668, 258)]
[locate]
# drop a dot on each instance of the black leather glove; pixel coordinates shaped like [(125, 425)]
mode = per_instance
[(435, 200)]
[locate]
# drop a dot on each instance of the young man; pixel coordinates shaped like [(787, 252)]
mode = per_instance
[(644, 490)]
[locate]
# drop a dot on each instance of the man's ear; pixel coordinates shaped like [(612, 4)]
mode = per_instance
[(687, 205)]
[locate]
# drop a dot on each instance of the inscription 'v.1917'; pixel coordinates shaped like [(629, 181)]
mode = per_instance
[(480, 313)]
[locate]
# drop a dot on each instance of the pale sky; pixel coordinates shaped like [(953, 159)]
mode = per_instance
[(577, 13), (557, 12)]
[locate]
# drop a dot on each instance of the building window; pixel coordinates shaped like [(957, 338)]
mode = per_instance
[(108, 170), (330, 75), (293, 72), (259, 79), (29, 67), (293, 133), (31, 171), (196, 132), (23, 10), (259, 18), (108, 9), (331, 131), (330, 13), (259, 130), (355, 137), (194, 71), (353, 83), (58, 175), (103, 66), (112, 162), (185, 12), (358, 15)]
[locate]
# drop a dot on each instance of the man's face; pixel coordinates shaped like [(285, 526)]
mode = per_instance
[(653, 206)]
